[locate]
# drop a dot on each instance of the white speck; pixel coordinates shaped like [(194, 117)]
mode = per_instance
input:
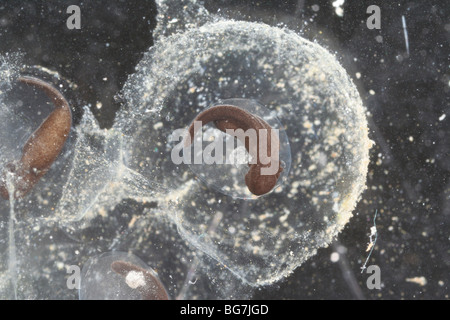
[(372, 92), (339, 12), (334, 257), (421, 281), (99, 105), (315, 7), (105, 79), (255, 236), (442, 117), (283, 218), (239, 156), (411, 138), (379, 39), (158, 125), (338, 7), (336, 207), (135, 279), (358, 75)]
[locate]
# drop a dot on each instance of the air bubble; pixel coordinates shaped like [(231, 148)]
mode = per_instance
[(226, 173)]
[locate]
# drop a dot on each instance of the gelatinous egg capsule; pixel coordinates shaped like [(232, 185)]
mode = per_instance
[(42, 147), (120, 276)]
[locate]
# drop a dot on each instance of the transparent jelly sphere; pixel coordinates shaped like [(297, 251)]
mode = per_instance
[(261, 240), (23, 108), (103, 279), (221, 160)]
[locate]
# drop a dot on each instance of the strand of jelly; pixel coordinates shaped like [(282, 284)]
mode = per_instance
[(12, 262)]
